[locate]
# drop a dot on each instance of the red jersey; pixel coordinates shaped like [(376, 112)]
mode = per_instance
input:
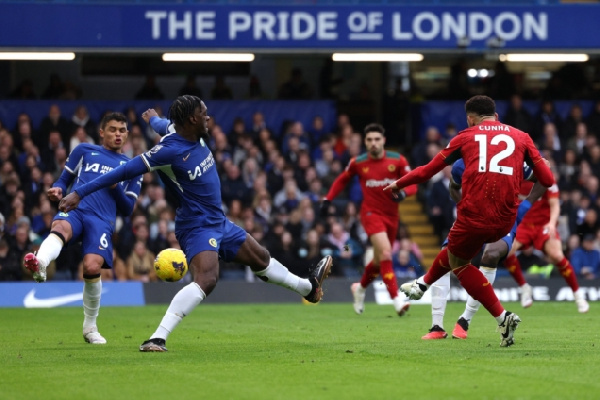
[(539, 213), (493, 154), (374, 175)]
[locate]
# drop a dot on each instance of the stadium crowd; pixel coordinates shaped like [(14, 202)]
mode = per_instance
[(272, 183)]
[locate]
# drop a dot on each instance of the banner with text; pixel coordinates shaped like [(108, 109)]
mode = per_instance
[(289, 28)]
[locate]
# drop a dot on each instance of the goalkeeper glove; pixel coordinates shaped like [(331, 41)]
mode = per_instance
[(398, 197)]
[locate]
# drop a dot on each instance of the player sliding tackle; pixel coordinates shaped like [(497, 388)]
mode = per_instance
[(494, 154), (187, 168)]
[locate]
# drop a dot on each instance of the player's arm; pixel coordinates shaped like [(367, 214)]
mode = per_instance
[(554, 214), (129, 170), (336, 187), (72, 166), (404, 168), (127, 195), (160, 125), (540, 168), (419, 174)]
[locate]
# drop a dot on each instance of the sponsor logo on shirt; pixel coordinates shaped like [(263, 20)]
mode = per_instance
[(154, 150), (379, 183), (186, 157), (95, 153), (63, 214), (201, 168)]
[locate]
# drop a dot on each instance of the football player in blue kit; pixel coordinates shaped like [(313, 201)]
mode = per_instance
[(492, 255), (93, 223), (187, 168)]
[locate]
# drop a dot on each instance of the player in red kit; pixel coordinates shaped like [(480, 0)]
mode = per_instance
[(538, 229), (378, 213), (493, 154)]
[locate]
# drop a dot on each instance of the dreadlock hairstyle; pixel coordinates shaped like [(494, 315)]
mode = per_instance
[(182, 108), (112, 116)]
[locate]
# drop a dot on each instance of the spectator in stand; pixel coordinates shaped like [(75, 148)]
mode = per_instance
[(233, 186), (22, 119), (517, 116), (593, 120), (296, 88), (289, 197), (568, 170), (23, 91), (578, 142), (547, 114), (258, 125), (221, 91), (313, 248), (80, 136), (295, 130), (342, 141), (586, 258), (551, 141), (53, 121), (593, 159), (140, 264), (81, 118), (10, 263), (316, 131), (149, 90), (440, 207), (419, 153), (48, 155), (55, 88), (190, 87), (347, 252), (570, 125)]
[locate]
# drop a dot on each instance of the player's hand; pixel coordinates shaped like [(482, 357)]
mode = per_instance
[(393, 187), (324, 208), (149, 113), (70, 202), (398, 197), (54, 194)]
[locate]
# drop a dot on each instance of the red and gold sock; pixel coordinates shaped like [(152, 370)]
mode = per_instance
[(514, 267), (370, 274), (477, 285), (389, 277), (440, 267), (566, 270)]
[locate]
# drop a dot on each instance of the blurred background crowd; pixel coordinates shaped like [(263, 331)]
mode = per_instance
[(273, 178)]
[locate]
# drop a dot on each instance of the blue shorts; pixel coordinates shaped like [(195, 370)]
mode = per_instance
[(508, 239), (225, 238), (95, 233)]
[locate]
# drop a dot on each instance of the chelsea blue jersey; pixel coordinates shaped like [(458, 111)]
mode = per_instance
[(188, 170), (87, 162)]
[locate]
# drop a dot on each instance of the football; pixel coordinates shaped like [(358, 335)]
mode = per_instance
[(170, 265)]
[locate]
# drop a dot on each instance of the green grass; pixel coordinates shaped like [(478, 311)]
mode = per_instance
[(294, 351)]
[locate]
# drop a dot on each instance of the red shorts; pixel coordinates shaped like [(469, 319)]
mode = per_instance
[(533, 235), (465, 240), (373, 223)]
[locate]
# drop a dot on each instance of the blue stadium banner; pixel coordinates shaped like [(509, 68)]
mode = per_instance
[(64, 294), (291, 28)]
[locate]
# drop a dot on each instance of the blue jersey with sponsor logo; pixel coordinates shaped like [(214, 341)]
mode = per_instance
[(87, 162), (188, 170)]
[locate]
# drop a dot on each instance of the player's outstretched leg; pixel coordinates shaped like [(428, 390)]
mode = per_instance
[(439, 298), (317, 276), (358, 295), (48, 251)]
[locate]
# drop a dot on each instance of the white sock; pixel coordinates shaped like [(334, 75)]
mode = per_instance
[(500, 318), (439, 298), (278, 274), (92, 290), (472, 304), (182, 304), (422, 281), (49, 250)]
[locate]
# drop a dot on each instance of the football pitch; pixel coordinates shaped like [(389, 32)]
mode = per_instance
[(297, 351)]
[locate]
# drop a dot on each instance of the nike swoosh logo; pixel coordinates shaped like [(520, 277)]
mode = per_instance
[(186, 157), (30, 301)]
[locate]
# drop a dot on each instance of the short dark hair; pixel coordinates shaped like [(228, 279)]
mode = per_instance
[(374, 127), (182, 108), (112, 116), (480, 105)]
